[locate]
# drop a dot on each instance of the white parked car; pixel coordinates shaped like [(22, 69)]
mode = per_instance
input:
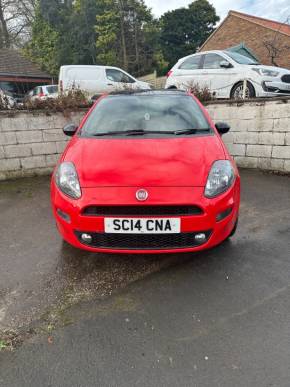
[(96, 80), (224, 73), (6, 100), (43, 92)]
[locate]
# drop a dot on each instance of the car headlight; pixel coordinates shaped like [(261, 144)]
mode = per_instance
[(266, 73), (220, 178), (67, 180)]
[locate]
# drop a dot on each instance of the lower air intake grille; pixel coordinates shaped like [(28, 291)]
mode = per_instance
[(143, 241), (142, 210)]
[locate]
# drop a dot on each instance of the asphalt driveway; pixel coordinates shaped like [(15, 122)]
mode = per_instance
[(40, 272), (219, 318)]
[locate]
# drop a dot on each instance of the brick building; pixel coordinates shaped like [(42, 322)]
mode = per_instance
[(269, 40)]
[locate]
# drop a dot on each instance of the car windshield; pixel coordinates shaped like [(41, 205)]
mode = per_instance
[(241, 59), (147, 112)]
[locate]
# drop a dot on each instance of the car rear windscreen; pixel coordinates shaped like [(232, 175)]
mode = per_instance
[(145, 112)]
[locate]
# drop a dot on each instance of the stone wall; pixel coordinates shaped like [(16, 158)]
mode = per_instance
[(31, 143), (260, 132)]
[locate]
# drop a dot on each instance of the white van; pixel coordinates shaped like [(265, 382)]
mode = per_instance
[(96, 80)]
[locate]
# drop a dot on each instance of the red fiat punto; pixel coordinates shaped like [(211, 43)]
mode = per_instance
[(146, 172)]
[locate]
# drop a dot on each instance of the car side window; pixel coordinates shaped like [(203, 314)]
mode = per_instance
[(118, 76), (191, 63), (213, 61), (36, 90)]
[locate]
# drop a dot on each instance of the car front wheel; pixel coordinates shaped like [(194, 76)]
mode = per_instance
[(234, 229), (237, 91)]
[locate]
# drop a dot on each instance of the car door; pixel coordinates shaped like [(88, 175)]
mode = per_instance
[(216, 75), (188, 72), (36, 92), (85, 78), (118, 80)]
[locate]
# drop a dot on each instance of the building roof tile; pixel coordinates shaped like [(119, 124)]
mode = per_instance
[(13, 63), (272, 24)]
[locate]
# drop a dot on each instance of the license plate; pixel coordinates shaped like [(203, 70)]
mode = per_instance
[(142, 225)]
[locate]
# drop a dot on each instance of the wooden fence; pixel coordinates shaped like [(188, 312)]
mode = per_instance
[(155, 82)]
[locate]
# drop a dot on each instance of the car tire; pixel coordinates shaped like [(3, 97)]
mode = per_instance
[(237, 91), (228, 239), (234, 229)]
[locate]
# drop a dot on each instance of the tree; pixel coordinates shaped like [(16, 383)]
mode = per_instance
[(4, 34), (143, 43), (83, 33), (274, 44), (122, 33), (57, 14), (183, 30), (16, 18), (107, 27), (63, 33), (126, 35), (42, 48)]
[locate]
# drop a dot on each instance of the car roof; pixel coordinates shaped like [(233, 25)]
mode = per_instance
[(90, 66), (148, 92), (203, 53), (44, 86)]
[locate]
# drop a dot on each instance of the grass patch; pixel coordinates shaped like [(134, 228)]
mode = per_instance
[(3, 345)]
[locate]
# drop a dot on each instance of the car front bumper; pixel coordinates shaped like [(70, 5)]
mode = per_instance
[(274, 88), (72, 222)]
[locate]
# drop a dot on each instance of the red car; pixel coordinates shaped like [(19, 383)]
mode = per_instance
[(146, 172)]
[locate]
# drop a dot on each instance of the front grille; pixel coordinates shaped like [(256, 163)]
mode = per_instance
[(142, 210), (143, 241), (286, 78)]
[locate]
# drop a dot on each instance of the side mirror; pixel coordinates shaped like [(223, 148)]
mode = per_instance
[(70, 129), (222, 127), (225, 64), (95, 97)]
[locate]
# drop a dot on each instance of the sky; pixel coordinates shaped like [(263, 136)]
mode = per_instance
[(271, 9)]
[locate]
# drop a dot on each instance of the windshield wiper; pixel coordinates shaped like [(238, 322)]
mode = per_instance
[(116, 133), (142, 132), (191, 131), (133, 132), (137, 132)]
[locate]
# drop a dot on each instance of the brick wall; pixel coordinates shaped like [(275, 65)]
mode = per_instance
[(31, 143), (259, 137), (236, 30)]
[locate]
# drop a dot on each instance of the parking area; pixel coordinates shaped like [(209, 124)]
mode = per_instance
[(40, 272), (217, 318)]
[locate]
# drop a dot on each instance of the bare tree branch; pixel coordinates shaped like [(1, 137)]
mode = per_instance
[(275, 46), (16, 17)]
